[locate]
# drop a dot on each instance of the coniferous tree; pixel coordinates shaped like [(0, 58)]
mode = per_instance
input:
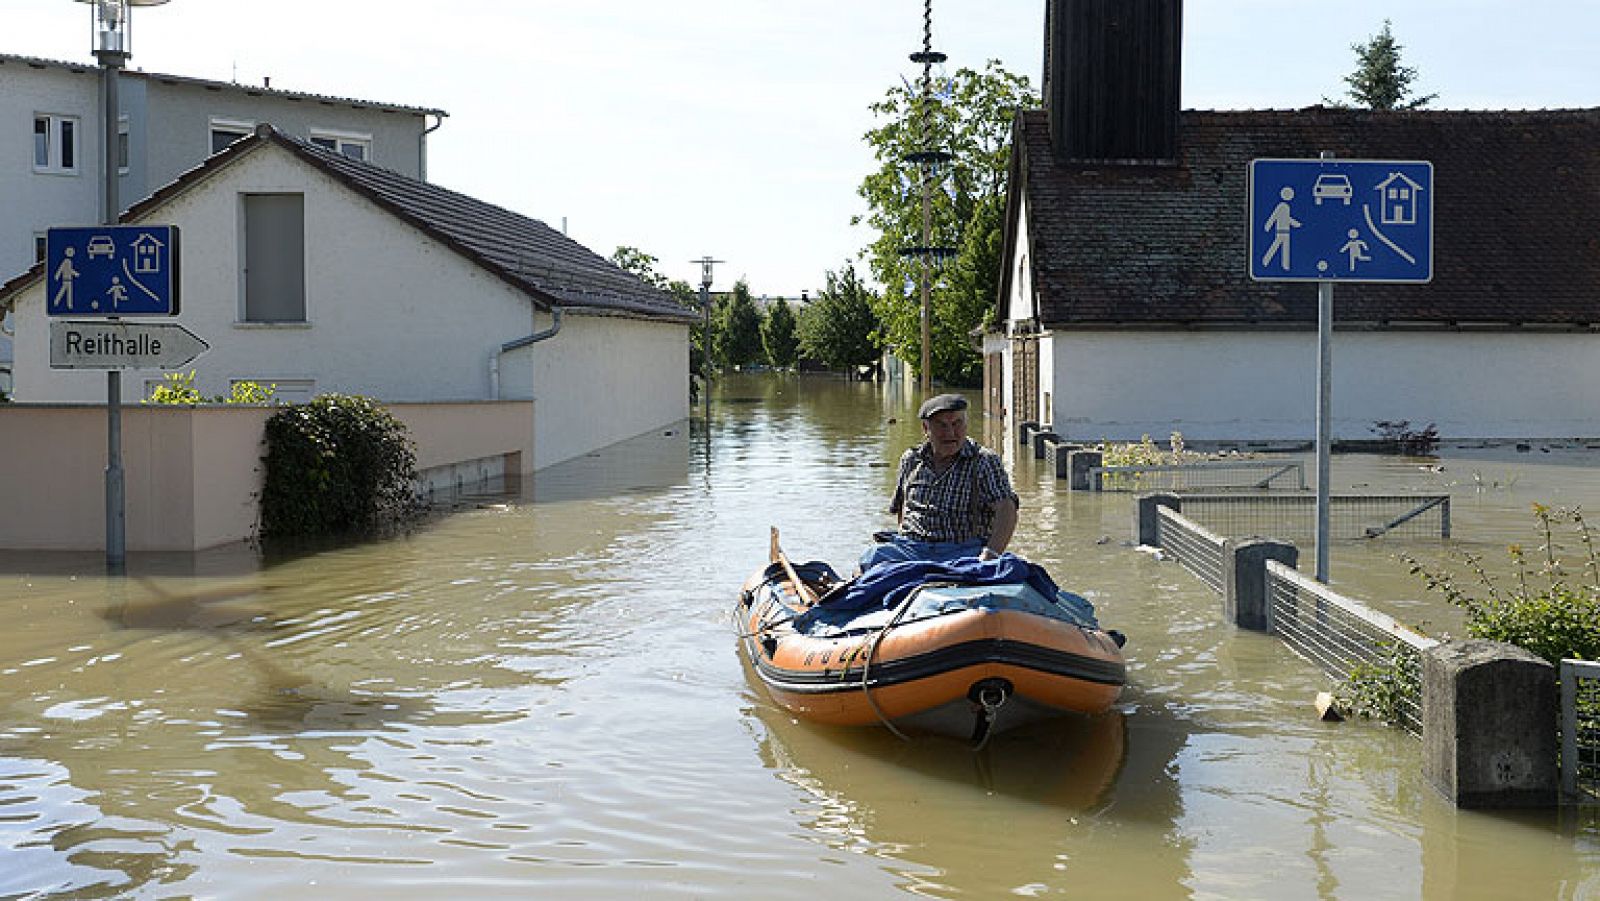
[(779, 337), (1380, 82), (839, 328), (737, 337)]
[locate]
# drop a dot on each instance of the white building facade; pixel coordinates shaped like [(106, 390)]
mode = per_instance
[(391, 301)]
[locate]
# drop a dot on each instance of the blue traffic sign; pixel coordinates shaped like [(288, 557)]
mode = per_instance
[(112, 270), (1341, 220)]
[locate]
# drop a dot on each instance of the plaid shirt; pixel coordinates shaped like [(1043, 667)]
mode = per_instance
[(955, 505)]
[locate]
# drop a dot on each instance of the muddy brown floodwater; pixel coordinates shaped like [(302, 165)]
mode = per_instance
[(544, 699)]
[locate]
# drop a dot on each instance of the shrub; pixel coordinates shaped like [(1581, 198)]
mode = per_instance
[(339, 465), (1552, 610), (177, 388)]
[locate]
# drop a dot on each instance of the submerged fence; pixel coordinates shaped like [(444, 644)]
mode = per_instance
[(1486, 713), (1580, 730), (1212, 474), (1348, 639), (1293, 516)]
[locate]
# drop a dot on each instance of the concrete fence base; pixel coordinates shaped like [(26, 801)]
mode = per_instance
[(1041, 441), (1025, 430), (1079, 463), (1489, 725), (1246, 600), (1144, 524)]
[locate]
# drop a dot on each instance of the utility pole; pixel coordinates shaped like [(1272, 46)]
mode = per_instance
[(706, 266), (928, 162), (112, 49)]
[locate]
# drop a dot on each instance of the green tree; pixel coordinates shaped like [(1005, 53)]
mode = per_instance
[(1380, 82), (971, 120), (839, 329), (778, 335), (736, 338), (639, 263)]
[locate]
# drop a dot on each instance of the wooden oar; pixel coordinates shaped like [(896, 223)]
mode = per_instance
[(804, 591)]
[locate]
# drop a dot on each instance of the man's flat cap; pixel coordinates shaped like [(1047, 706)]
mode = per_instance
[(940, 404)]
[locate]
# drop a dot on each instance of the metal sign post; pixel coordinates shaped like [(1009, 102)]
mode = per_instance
[(1326, 220)]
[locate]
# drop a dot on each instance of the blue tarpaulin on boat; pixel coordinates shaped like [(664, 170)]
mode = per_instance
[(886, 586)]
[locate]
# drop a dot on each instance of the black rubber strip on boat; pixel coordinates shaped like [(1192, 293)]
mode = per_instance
[(954, 657)]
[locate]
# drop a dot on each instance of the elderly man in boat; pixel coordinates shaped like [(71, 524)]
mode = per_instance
[(952, 496)]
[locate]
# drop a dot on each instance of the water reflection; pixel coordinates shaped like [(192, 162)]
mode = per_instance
[(542, 697)]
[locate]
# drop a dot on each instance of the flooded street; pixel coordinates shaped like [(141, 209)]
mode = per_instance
[(543, 699)]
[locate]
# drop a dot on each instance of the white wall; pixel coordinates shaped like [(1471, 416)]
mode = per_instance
[(1121, 385), (600, 380)]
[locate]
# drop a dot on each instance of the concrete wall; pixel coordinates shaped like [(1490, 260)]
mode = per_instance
[(1120, 385), (193, 474)]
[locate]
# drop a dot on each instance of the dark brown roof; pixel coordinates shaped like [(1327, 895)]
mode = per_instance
[(552, 269), (1516, 213)]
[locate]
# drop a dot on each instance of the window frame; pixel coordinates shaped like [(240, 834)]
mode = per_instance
[(243, 128), (258, 314), (342, 140), (55, 145)]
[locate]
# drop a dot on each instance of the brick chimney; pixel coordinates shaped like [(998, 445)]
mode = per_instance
[(1112, 78)]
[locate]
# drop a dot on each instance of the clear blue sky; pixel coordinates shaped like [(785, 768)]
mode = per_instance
[(733, 127)]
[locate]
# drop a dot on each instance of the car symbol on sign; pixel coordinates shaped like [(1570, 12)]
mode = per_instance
[(1332, 187), (101, 245)]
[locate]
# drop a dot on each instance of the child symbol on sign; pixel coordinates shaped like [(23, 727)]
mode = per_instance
[(1355, 249)]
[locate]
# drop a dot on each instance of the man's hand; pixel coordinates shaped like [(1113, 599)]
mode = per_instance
[(987, 554)]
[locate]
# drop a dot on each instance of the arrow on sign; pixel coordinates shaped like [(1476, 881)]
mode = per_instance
[(122, 345)]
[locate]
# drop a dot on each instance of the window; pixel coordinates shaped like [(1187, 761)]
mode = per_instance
[(274, 258), (122, 145), (39, 246), (355, 146), (55, 143), (226, 131)]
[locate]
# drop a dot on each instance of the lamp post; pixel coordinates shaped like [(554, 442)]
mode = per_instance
[(112, 47)]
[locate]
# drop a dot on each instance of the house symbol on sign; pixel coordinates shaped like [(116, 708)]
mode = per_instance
[(146, 254), (1397, 199)]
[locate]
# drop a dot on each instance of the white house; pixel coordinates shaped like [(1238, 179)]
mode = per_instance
[(316, 272), (51, 130), (1125, 306)]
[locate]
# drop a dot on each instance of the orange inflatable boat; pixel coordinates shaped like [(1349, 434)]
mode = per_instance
[(961, 660)]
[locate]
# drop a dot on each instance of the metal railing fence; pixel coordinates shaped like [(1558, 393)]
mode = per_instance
[(1347, 638), (1213, 474), (1201, 551), (1292, 517), (1580, 730)]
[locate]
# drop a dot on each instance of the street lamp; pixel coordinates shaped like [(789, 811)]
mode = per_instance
[(112, 46)]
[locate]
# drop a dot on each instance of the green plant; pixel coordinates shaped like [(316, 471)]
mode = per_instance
[(1381, 689), (339, 465), (1143, 452), (177, 389), (1552, 610)]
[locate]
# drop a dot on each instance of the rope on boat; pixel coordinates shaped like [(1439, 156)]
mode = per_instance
[(872, 650)]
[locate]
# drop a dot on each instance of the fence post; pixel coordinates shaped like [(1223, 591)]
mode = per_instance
[(1078, 464), (1063, 453), (1039, 439), (1144, 526), (1246, 597), (1023, 430), (1489, 725)]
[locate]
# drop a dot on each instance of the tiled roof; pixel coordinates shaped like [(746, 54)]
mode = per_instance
[(251, 90), (552, 269), (1516, 213)]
